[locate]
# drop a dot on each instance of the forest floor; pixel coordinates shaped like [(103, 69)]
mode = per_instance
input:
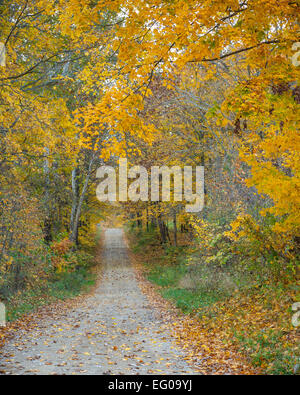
[(245, 329), (114, 331)]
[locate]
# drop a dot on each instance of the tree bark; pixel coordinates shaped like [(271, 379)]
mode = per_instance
[(75, 190), (77, 214), (147, 218), (162, 230), (175, 227), (48, 220)]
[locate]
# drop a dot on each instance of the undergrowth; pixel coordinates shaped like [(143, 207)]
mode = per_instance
[(67, 273), (252, 312)]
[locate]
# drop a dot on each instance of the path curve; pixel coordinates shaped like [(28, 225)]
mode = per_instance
[(115, 331)]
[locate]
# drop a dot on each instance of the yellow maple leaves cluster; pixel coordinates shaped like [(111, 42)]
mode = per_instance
[(237, 54)]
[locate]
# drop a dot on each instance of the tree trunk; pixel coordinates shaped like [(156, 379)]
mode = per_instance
[(147, 218), (162, 230), (175, 227), (139, 220), (167, 232), (75, 189), (48, 221), (76, 219)]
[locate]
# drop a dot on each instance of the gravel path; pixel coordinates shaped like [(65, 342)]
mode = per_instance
[(115, 331)]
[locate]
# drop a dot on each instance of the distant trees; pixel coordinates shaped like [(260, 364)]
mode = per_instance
[(174, 83)]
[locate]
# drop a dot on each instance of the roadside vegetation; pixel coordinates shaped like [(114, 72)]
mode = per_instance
[(60, 272), (239, 306)]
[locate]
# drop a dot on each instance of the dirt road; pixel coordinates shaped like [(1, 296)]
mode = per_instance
[(115, 331)]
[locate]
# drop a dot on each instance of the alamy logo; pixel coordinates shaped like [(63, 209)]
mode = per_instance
[(296, 56), (2, 314), (159, 188), (2, 55), (296, 316)]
